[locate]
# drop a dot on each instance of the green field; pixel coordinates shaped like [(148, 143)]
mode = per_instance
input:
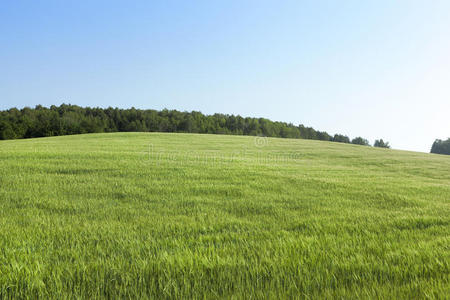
[(153, 215)]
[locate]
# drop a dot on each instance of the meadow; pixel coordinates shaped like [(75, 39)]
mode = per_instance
[(158, 215)]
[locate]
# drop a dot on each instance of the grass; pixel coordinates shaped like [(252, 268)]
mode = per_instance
[(153, 215)]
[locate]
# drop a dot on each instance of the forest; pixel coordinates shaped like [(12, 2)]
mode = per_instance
[(69, 119)]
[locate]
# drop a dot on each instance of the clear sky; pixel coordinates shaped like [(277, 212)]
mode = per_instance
[(377, 69)]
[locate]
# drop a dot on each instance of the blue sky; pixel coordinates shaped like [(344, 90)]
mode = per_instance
[(377, 69)]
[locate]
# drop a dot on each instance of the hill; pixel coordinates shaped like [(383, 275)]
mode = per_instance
[(162, 215)]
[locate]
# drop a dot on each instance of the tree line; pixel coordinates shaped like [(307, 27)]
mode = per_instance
[(69, 119)]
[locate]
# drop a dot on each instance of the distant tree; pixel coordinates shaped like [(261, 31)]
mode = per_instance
[(360, 141), (307, 133), (441, 147), (6, 131), (341, 138), (381, 144), (323, 136)]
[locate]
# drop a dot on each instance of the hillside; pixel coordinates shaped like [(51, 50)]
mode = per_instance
[(164, 215)]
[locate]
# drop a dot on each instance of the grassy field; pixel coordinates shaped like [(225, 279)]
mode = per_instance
[(152, 215)]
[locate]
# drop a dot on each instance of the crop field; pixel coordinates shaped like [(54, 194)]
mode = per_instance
[(154, 215)]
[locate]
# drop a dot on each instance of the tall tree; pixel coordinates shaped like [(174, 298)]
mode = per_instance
[(341, 138), (381, 144), (360, 141), (441, 147)]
